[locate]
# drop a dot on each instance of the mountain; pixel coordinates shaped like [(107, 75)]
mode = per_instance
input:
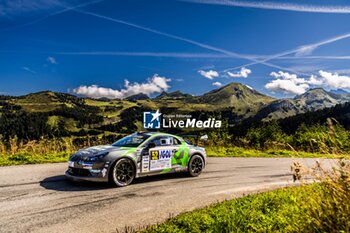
[(172, 95), (46, 101), (312, 100), (339, 92), (140, 96), (239, 97), (57, 114)]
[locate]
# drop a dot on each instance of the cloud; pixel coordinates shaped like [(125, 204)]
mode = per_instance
[(243, 73), (292, 84), (334, 80), (156, 84), (315, 81), (210, 74), (287, 76), (305, 50), (217, 84), (286, 86), (52, 60), (28, 70), (344, 9), (289, 83)]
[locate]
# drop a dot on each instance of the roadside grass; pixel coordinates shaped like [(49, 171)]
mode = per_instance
[(319, 207), (275, 211), (27, 158), (220, 151)]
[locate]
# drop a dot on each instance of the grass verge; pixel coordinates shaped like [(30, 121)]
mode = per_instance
[(28, 158), (285, 210)]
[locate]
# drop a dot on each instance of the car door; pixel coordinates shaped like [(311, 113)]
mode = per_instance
[(160, 157), (180, 156)]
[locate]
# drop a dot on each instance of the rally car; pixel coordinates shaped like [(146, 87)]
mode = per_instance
[(137, 155)]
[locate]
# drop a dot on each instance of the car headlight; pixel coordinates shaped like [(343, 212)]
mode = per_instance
[(99, 156)]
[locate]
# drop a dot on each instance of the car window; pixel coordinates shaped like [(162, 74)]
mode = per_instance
[(162, 141), (176, 141), (131, 141)]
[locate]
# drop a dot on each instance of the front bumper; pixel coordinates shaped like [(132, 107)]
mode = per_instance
[(83, 171), (86, 178)]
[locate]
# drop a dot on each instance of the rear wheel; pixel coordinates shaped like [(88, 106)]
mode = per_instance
[(196, 165), (123, 172)]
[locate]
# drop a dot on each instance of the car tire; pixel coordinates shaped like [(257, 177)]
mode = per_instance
[(123, 173), (195, 166)]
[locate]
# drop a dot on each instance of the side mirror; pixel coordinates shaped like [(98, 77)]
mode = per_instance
[(151, 145)]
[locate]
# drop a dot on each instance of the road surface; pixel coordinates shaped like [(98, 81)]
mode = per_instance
[(37, 198)]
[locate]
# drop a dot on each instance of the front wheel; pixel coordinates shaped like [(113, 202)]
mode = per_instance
[(123, 173), (196, 165)]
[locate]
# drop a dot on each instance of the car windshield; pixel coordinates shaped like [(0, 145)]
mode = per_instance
[(131, 140)]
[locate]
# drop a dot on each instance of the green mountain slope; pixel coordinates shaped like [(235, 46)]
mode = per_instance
[(312, 100), (57, 114)]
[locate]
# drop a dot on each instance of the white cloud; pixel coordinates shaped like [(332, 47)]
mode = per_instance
[(210, 74), (305, 50), (292, 84), (243, 73), (289, 83), (217, 84), (52, 60), (156, 84), (316, 81), (287, 76), (29, 70), (269, 5), (334, 80), (286, 86)]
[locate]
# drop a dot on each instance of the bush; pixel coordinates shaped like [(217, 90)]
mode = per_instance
[(266, 136)]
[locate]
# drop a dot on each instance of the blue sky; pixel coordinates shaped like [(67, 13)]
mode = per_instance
[(91, 47)]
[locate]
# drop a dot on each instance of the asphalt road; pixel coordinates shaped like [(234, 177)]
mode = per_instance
[(37, 198)]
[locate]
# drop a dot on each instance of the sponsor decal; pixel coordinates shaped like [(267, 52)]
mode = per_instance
[(145, 163), (154, 155), (160, 159), (160, 164), (153, 120), (165, 154)]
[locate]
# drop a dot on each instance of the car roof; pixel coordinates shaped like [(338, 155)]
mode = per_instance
[(155, 133)]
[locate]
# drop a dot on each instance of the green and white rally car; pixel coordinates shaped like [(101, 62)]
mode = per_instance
[(137, 155)]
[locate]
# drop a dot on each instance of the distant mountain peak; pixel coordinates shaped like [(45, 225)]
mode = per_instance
[(140, 96), (339, 92), (172, 95)]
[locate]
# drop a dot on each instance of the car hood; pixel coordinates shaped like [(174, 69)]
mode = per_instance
[(95, 150)]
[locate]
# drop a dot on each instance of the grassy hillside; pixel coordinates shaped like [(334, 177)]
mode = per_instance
[(67, 114)]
